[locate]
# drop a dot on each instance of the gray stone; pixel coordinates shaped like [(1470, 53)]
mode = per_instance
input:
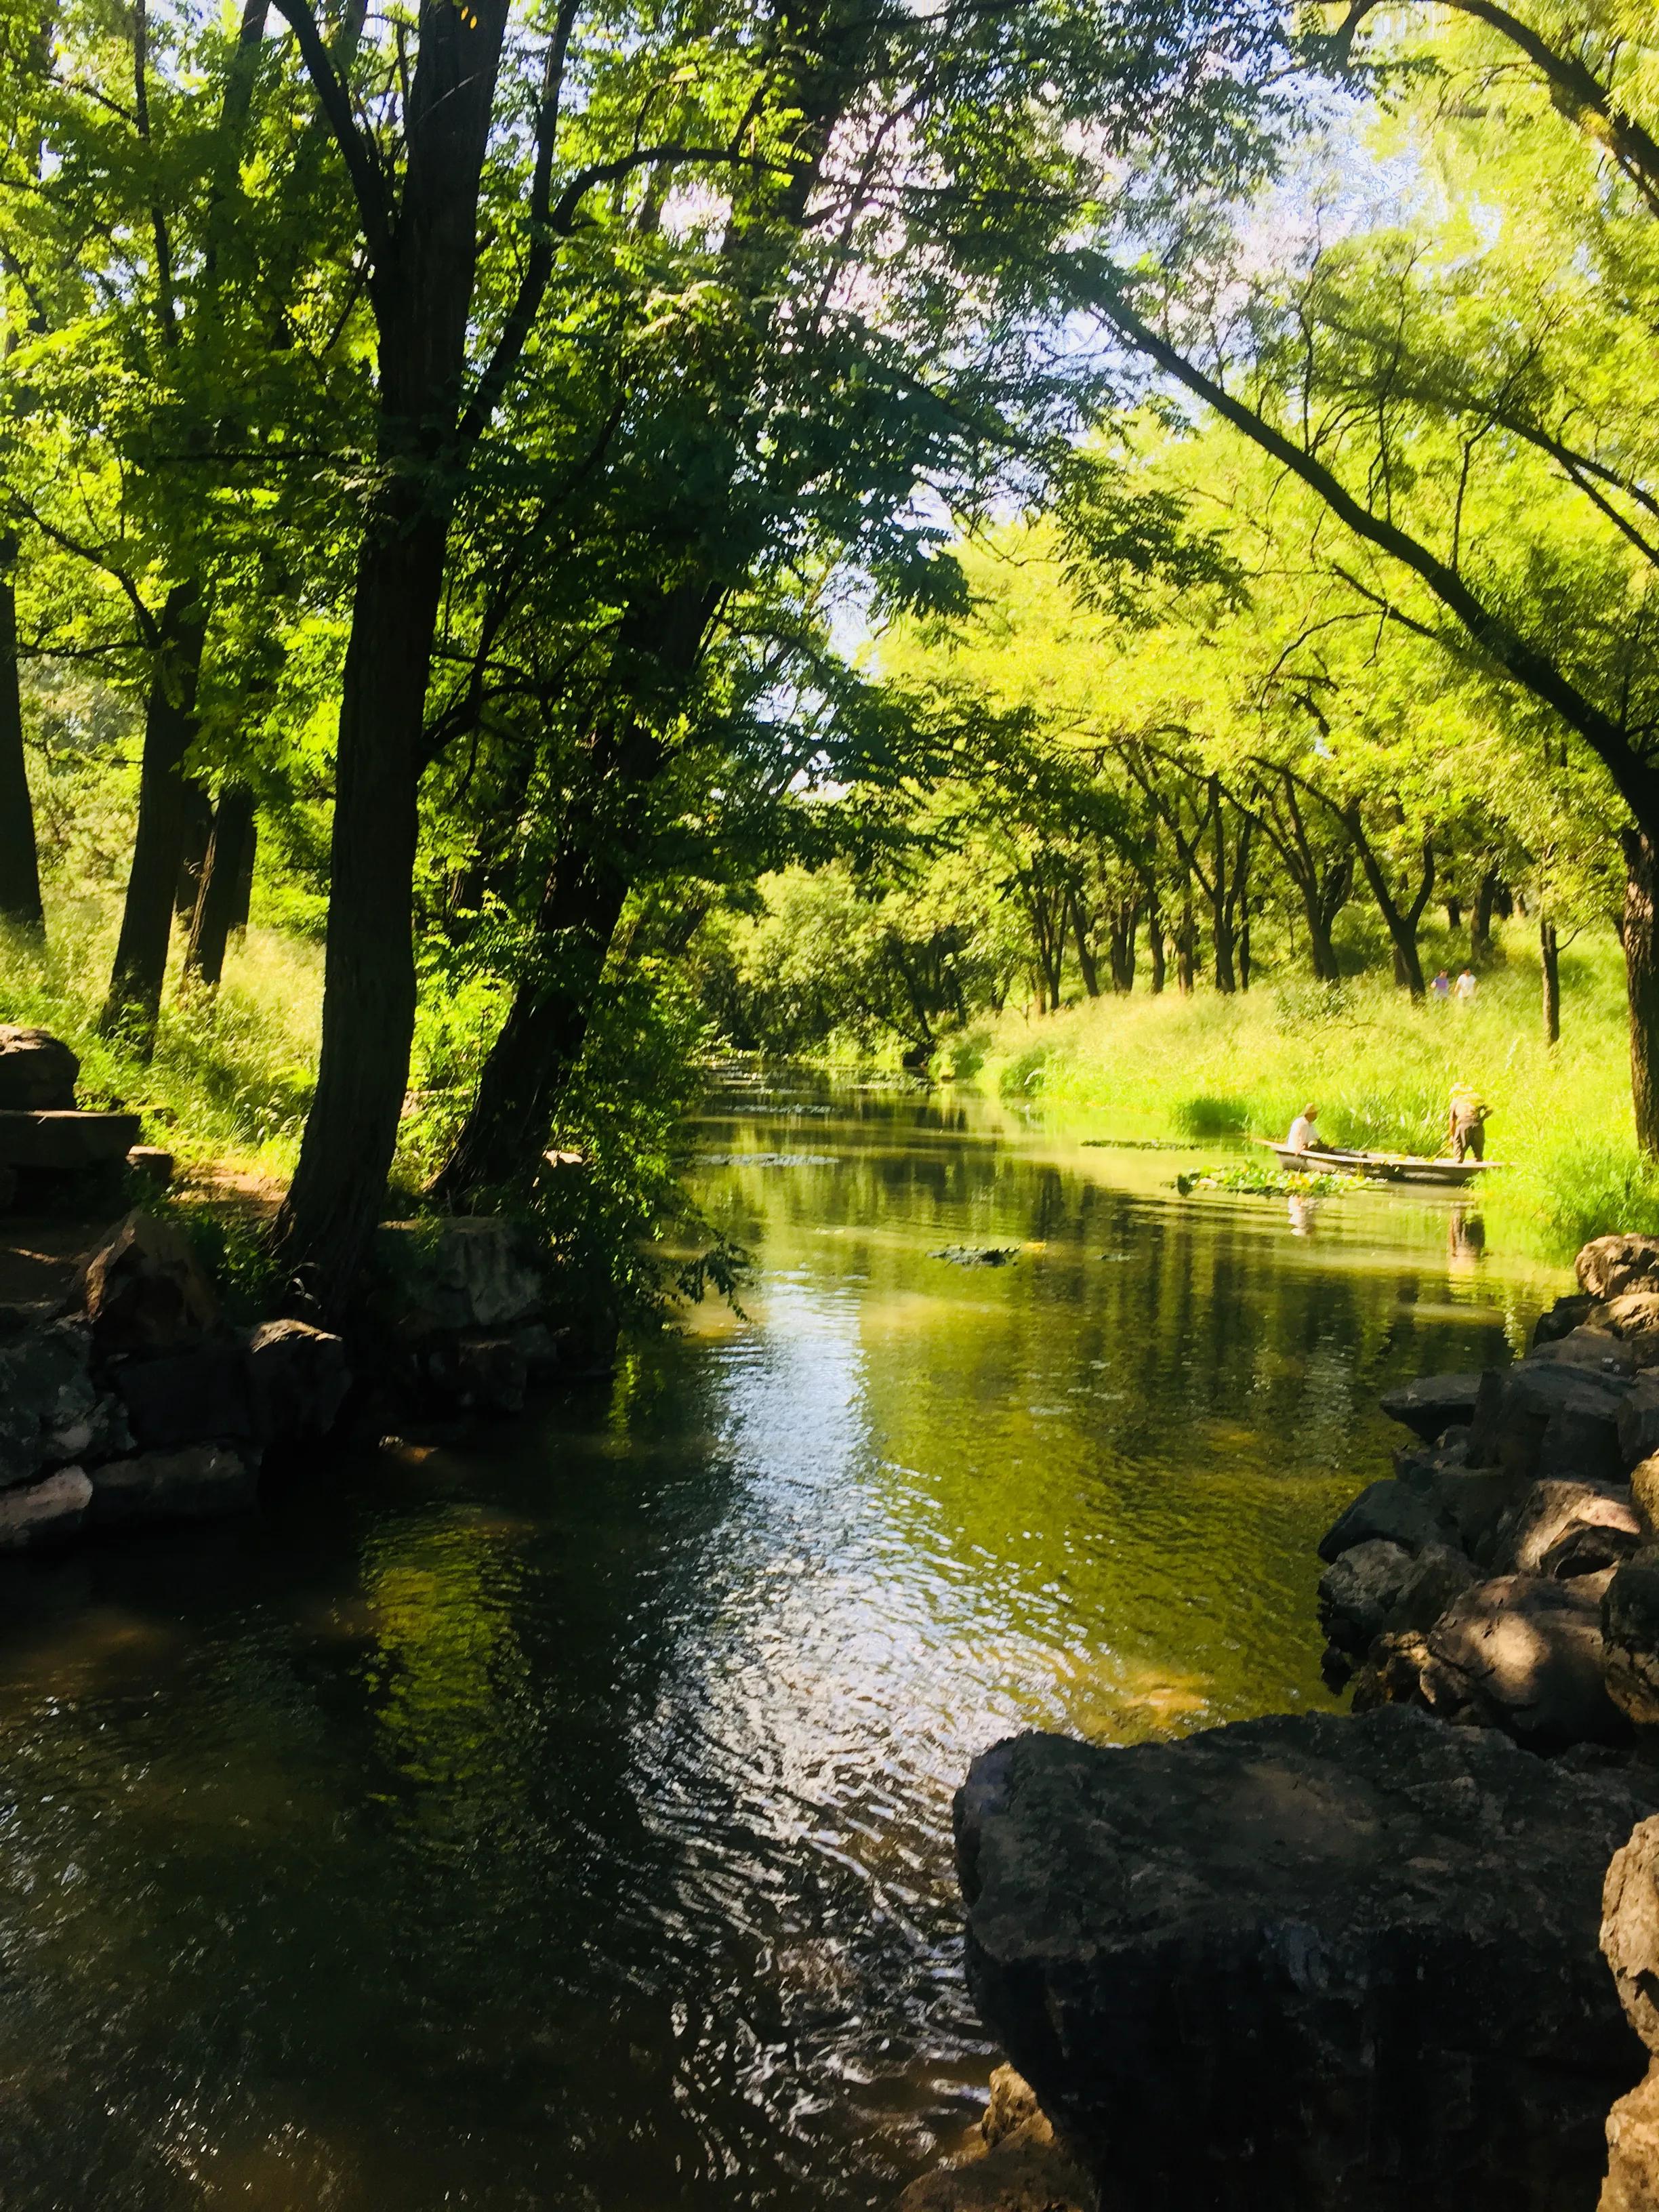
[(153, 1163), (61, 1142), (199, 1396), (1634, 1318), (1563, 1528), (49, 1404), (37, 1070), (1472, 1501), (457, 1272), (1433, 1403), (299, 1379), (145, 1291), (1610, 1266), (482, 1374), (1397, 1512), (1540, 1418), (43, 1513), (1630, 1630), (1566, 1314), (1639, 1421), (1523, 1654), (201, 1483), (1304, 1964), (1598, 1349), (1377, 1587)]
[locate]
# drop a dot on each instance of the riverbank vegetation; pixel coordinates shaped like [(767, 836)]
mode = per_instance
[(539, 539)]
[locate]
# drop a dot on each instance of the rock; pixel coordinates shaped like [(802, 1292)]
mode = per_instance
[(145, 1291), (1310, 1964), (38, 1071), (197, 1484), (456, 1271), (479, 1374), (1630, 1929), (539, 1350), (1015, 2165), (48, 1401), (1639, 1421), (1432, 1403), (1540, 1418), (153, 1163), (299, 1379), (1597, 1349), (1377, 1587), (1610, 1266), (1524, 1655), (64, 1141), (1472, 1501), (1565, 1529), (201, 1397), (977, 1255), (1630, 1632), (1397, 1512), (1645, 1497), (1566, 1314), (1634, 1318), (48, 1512), (1633, 2177)]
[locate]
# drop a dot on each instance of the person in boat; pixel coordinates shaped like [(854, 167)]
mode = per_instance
[(1303, 1137), (1466, 1124)]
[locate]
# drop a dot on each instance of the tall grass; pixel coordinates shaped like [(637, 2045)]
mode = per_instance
[(1380, 1070)]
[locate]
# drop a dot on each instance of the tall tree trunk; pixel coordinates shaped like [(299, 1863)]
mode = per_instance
[(1485, 898), (1221, 898), (133, 1006), (1085, 957), (19, 859), (222, 877), (1550, 964), (1641, 938), (196, 836), (1186, 944), (1401, 921), (1454, 915), (242, 904), (1155, 948)]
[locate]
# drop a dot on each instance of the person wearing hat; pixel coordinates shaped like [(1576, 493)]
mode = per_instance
[(1303, 1136)]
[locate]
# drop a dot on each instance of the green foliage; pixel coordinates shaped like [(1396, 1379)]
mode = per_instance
[(1208, 1116), (1253, 1181)]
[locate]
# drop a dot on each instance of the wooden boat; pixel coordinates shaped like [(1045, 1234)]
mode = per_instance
[(1383, 1167)]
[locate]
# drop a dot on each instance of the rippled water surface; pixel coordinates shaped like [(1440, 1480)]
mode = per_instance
[(564, 1821)]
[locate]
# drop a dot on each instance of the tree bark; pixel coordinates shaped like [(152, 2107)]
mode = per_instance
[(1485, 898), (1187, 944), (1085, 957), (1402, 922), (1641, 939), (196, 836), (221, 886), (1155, 946), (133, 1006), (1550, 964), (20, 859)]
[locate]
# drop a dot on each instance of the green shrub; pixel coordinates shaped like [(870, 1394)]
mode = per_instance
[(1207, 1117)]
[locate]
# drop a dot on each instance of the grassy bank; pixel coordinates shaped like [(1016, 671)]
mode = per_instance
[(1380, 1069)]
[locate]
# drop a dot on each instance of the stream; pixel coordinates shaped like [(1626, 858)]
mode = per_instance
[(563, 1822)]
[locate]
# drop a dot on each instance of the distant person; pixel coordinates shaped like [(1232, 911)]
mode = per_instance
[(1466, 1124), (1442, 985), (1303, 1136), (1464, 987)]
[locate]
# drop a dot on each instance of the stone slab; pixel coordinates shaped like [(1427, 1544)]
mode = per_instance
[(65, 1140)]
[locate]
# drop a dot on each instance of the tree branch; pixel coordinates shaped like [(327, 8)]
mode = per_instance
[(357, 149)]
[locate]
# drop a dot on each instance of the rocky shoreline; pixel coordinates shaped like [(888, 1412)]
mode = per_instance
[(1350, 1963)]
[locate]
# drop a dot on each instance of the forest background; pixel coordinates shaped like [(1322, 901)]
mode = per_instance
[(1090, 547)]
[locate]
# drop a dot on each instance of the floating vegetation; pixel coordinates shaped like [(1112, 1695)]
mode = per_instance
[(1137, 1144), (977, 1255), (767, 1160), (1253, 1181)]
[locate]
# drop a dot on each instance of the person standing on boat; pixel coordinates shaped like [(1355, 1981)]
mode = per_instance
[(1466, 1124), (1303, 1136)]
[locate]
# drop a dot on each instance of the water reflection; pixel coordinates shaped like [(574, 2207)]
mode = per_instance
[(566, 1822)]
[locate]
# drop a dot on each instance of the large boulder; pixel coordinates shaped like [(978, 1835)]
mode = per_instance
[(1632, 2178), (1378, 1587), (1565, 1314), (1630, 1944), (1639, 1421), (299, 1379), (1433, 1403), (146, 1291), (1310, 1964), (200, 1484), (1630, 1638), (37, 1514), (1524, 1654), (202, 1396), (1390, 1511), (1598, 1349), (456, 1271), (1610, 1266), (1563, 1528), (38, 1071), (1634, 1318), (50, 1409), (1541, 1418)]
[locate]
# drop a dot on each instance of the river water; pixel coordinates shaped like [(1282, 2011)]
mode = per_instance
[(564, 1821)]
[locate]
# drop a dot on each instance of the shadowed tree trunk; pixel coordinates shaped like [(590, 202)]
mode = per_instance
[(198, 835), (1485, 899), (133, 1003), (1550, 964), (1086, 956), (220, 889), (19, 859), (1642, 980)]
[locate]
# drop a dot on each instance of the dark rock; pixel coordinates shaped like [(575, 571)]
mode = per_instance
[(1630, 1630), (299, 1379), (1378, 1587), (1610, 1266), (1432, 1403), (1632, 2178), (1014, 2165), (1565, 1314), (456, 1271), (38, 1071), (1645, 1497), (200, 1396), (145, 1291), (1563, 1528), (1304, 1964), (484, 1374), (1540, 1418), (1598, 1349), (1524, 1655), (1397, 1512), (977, 1255), (50, 1511), (153, 1163), (67, 1140), (48, 1401), (200, 1484), (1639, 1421), (539, 1349)]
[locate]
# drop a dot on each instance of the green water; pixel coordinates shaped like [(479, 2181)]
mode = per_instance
[(564, 1821)]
